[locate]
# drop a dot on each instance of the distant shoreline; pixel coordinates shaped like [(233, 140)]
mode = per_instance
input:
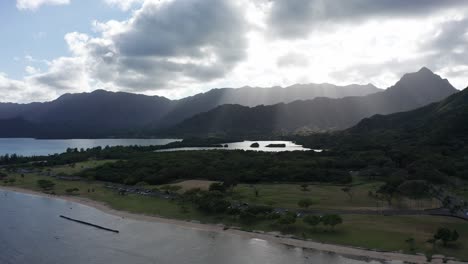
[(347, 251)]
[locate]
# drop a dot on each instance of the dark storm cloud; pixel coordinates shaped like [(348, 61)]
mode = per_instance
[(199, 39), (182, 28), (452, 37), (296, 18), (450, 47)]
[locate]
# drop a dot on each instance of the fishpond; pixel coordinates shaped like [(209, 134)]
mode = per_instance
[(247, 145)]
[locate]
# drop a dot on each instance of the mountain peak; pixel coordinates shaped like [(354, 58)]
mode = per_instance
[(425, 70), (100, 91), (424, 74), (423, 86), (423, 80)]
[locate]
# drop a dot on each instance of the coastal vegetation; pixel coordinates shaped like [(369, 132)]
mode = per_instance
[(276, 146), (239, 166), (255, 145), (268, 207)]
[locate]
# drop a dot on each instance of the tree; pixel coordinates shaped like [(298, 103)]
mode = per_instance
[(229, 183), (72, 190), (287, 219), (256, 191), (255, 145), (305, 203), (312, 220), (217, 187), (254, 213), (445, 235), (332, 220), (387, 191), (349, 191), (212, 202), (455, 235), (410, 242), (46, 185), (304, 187), (433, 242)]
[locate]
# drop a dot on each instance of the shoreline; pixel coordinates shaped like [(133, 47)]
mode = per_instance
[(346, 251)]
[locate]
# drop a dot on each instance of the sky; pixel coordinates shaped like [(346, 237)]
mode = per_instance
[(177, 48)]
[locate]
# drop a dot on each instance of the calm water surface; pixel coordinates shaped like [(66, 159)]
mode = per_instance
[(245, 145), (35, 147), (31, 231)]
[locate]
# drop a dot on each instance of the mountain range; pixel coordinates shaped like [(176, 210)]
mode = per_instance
[(104, 114), (413, 90), (437, 122), (227, 111)]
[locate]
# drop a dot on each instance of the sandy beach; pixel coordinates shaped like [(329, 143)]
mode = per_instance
[(348, 251)]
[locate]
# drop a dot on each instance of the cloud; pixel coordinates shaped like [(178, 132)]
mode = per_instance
[(36, 4), (451, 39), (298, 18), (181, 47), (443, 49), (449, 50), (164, 44), (20, 91), (31, 70), (293, 59), (156, 47), (64, 74), (124, 4)]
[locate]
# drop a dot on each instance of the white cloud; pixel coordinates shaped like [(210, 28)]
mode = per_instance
[(20, 91), (31, 70), (65, 74), (124, 4), (35, 4)]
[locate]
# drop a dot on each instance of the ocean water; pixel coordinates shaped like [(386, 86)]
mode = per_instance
[(31, 231), (35, 147)]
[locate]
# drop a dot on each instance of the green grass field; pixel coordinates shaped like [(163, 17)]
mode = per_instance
[(390, 233), (130, 203), (71, 169), (383, 233), (322, 196), (369, 231)]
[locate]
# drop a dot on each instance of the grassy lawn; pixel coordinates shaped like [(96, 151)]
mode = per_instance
[(390, 233), (323, 196), (382, 233), (71, 169), (130, 203), (192, 184)]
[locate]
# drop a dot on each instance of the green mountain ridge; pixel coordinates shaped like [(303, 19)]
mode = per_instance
[(445, 119), (413, 90)]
